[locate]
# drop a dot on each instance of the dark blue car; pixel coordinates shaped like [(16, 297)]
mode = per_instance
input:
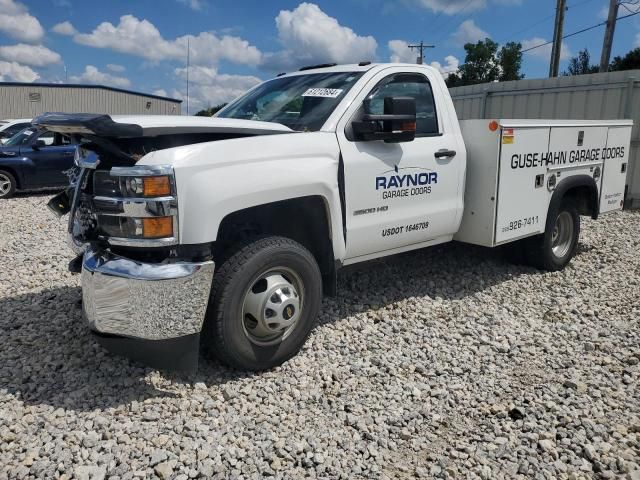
[(34, 159)]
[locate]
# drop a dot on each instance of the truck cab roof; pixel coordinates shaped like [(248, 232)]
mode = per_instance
[(354, 67)]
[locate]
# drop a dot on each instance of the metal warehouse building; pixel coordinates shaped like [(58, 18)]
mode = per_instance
[(26, 100), (599, 96)]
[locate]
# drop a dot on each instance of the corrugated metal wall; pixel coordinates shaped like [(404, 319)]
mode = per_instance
[(600, 96), (21, 101)]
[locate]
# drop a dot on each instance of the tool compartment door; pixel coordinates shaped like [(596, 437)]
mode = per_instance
[(616, 157), (522, 193)]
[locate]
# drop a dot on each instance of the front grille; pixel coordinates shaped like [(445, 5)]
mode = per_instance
[(82, 222)]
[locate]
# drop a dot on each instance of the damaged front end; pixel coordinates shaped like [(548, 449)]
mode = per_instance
[(144, 295)]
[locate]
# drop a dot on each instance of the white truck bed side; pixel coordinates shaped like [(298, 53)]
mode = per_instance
[(509, 171)]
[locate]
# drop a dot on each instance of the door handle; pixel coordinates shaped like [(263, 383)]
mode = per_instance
[(444, 153)]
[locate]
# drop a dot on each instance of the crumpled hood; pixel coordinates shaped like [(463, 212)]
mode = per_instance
[(130, 126)]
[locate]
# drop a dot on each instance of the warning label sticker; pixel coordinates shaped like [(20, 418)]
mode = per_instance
[(507, 136), (323, 92)]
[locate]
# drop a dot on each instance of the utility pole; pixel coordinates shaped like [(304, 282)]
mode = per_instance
[(556, 47), (421, 46), (608, 35)]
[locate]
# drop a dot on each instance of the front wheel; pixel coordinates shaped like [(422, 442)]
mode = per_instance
[(264, 302), (554, 249), (7, 184)]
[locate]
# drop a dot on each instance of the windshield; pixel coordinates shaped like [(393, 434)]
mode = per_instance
[(20, 138), (301, 102)]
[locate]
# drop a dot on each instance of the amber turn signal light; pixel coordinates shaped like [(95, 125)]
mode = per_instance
[(157, 227), (156, 186)]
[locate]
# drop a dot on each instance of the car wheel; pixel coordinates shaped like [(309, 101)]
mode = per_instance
[(554, 249), (7, 184), (264, 302)]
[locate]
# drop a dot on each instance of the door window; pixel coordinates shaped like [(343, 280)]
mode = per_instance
[(52, 139), (47, 138), (407, 85)]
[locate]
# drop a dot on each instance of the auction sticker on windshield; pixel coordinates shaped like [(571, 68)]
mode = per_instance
[(323, 92)]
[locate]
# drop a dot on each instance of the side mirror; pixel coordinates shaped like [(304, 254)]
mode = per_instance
[(396, 124), (38, 144)]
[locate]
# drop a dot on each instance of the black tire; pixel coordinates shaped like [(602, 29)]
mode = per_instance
[(7, 178), (540, 249), (226, 330)]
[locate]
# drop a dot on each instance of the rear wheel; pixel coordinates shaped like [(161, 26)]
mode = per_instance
[(554, 249), (265, 299), (7, 184)]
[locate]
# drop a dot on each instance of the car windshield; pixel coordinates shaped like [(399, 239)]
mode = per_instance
[(301, 102), (20, 138)]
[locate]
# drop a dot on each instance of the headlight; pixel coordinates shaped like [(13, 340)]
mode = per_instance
[(136, 206), (136, 228), (108, 185)]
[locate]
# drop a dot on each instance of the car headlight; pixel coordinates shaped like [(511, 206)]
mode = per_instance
[(107, 184), (136, 205)]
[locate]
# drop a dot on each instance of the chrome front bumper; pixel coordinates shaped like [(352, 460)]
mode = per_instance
[(145, 301)]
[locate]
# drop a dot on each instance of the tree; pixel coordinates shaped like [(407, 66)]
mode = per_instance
[(480, 63), (581, 64), (483, 63), (209, 112), (510, 61), (453, 80), (629, 62)]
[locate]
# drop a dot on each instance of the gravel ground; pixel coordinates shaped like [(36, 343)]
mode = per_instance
[(443, 363)]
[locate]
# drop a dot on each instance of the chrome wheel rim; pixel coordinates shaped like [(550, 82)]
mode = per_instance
[(562, 234), (272, 306), (5, 184)]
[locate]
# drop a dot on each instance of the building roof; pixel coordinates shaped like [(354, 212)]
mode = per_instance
[(86, 86)]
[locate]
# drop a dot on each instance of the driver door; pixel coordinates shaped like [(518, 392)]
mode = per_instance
[(52, 154), (405, 195)]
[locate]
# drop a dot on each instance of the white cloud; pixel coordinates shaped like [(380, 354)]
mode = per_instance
[(64, 28), (141, 38), (94, 76), (468, 32), (114, 67), (544, 53), (161, 92), (196, 5), (33, 55), (451, 65), (208, 87), (453, 7), (14, 72), (310, 36), (400, 52), (16, 22)]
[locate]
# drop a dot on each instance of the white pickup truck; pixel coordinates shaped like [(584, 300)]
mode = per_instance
[(306, 173)]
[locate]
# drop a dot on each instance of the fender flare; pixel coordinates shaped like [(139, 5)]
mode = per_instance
[(577, 181)]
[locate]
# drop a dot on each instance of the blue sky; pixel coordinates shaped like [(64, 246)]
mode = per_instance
[(141, 45)]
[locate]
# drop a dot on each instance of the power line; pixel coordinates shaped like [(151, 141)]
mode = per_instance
[(579, 31), (624, 5), (526, 29), (459, 12), (542, 20)]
